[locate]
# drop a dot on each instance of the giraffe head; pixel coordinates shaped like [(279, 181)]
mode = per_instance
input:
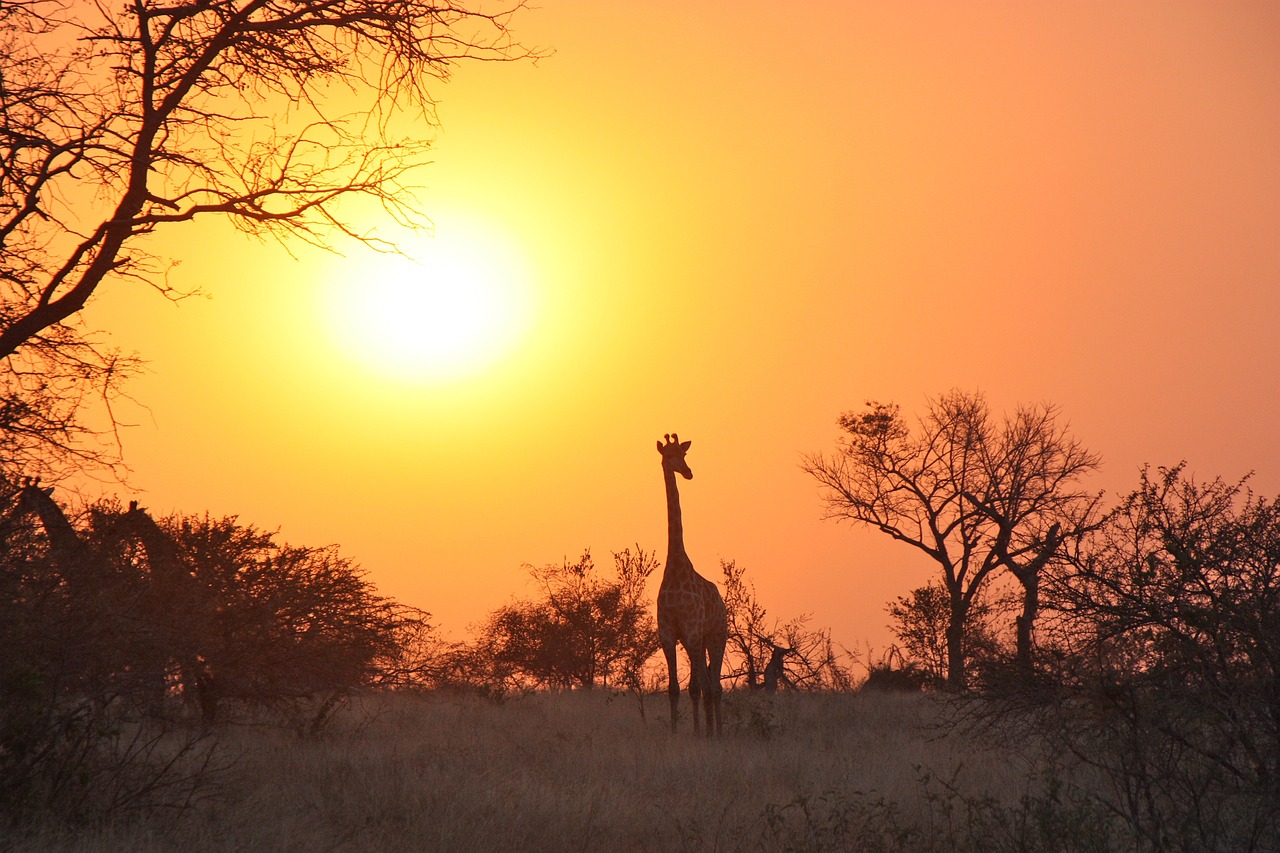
[(673, 455), (27, 496)]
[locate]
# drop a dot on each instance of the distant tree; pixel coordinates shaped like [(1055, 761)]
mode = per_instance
[(119, 120), (581, 631), (747, 653), (812, 660), (1030, 493), (414, 657), (815, 661), (920, 621), (974, 496), (635, 638)]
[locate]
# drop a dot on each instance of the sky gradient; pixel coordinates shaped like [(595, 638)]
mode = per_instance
[(735, 221)]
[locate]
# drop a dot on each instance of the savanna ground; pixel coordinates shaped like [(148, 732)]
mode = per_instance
[(599, 772)]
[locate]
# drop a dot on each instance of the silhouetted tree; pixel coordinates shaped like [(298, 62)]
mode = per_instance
[(973, 496), (106, 613), (211, 607), (582, 631), (1029, 492), (815, 662), (121, 119), (70, 615), (417, 653), (289, 622), (746, 653), (920, 622), (1165, 629)]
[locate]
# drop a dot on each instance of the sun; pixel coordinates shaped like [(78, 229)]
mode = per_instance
[(451, 306)]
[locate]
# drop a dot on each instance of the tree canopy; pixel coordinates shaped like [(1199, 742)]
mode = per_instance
[(122, 119)]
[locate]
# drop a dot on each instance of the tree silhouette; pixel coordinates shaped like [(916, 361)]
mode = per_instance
[(1166, 632), (103, 640), (745, 617), (812, 659), (1029, 494), (581, 631), (973, 496), (289, 622), (920, 621), (121, 119)]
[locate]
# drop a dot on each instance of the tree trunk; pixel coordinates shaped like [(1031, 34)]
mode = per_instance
[(955, 649), (1029, 577), (1030, 608)]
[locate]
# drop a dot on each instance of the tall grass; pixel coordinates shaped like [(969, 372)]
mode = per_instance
[(589, 771)]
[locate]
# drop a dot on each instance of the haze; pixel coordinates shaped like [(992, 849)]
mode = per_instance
[(735, 221)]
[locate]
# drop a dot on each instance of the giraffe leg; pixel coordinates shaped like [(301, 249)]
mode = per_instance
[(708, 696), (697, 680), (673, 683), (711, 701), (714, 691)]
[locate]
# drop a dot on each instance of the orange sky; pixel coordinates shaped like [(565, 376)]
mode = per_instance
[(735, 220)]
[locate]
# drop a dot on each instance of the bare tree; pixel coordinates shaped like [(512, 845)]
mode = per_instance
[(973, 496), (122, 118), (745, 616), (809, 660)]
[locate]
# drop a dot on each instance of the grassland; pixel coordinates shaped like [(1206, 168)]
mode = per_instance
[(593, 772)]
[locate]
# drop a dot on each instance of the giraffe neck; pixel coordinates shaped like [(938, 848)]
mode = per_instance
[(62, 536), (161, 553), (675, 527)]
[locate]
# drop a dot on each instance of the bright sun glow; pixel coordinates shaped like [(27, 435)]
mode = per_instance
[(455, 306)]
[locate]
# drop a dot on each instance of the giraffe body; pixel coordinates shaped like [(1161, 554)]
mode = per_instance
[(690, 609)]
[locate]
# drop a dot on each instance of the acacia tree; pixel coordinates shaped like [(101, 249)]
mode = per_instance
[(123, 118), (973, 495), (283, 622), (582, 631), (1167, 627)]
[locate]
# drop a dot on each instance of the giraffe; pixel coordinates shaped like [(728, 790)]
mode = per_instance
[(690, 609), (91, 612), (72, 555), (175, 605)]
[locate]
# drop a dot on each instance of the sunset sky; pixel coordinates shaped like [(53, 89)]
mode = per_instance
[(735, 221)]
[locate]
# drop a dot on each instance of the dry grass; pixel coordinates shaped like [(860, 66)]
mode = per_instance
[(579, 772)]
